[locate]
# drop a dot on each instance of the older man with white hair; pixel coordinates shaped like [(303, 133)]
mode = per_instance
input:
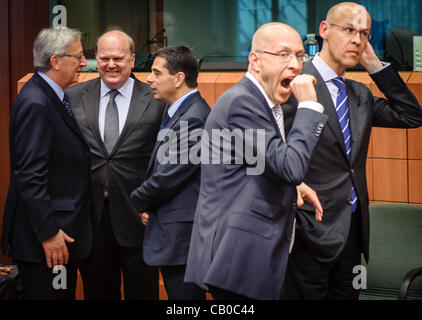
[(47, 219)]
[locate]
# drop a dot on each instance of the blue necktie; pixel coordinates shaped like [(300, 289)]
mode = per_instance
[(342, 108)]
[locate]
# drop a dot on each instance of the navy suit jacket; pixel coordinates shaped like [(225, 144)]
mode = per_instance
[(170, 192), (49, 176), (330, 173), (243, 222)]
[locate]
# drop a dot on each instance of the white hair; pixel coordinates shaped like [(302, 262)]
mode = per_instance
[(52, 41)]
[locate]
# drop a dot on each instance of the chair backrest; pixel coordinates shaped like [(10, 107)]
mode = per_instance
[(395, 249), (399, 48)]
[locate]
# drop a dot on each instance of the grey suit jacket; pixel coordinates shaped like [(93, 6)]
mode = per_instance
[(331, 175), (170, 192), (243, 222), (125, 168)]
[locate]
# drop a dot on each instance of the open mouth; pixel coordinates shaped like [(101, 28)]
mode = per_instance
[(286, 83)]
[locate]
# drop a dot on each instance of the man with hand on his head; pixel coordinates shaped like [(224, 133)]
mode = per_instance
[(325, 254)]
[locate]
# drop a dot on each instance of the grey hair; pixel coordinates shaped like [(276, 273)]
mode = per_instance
[(52, 41)]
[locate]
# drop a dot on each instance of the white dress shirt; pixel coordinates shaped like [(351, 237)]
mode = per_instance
[(328, 74), (57, 89), (173, 108), (122, 101)]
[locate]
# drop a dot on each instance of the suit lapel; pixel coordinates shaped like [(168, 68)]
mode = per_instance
[(58, 105), (324, 98), (253, 89), (173, 121), (354, 120), (90, 103), (138, 105), (156, 145)]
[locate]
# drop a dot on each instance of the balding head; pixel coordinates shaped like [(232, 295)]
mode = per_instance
[(346, 33), (350, 10), (271, 33), (115, 58), (275, 59), (119, 35)]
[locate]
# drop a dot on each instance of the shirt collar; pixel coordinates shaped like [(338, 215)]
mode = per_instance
[(326, 72), (56, 88), (124, 90), (251, 77), (173, 108)]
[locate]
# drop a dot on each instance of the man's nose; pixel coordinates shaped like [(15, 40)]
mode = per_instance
[(83, 61), (293, 62)]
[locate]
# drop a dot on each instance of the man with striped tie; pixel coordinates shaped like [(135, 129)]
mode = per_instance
[(322, 261), (243, 222)]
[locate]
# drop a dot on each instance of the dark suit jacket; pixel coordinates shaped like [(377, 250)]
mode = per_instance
[(125, 168), (170, 192), (243, 223), (331, 175), (49, 184)]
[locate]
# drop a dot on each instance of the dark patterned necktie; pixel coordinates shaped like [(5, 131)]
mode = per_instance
[(67, 105)]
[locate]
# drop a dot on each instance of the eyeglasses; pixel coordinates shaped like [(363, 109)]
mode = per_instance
[(286, 57), (75, 56), (351, 32)]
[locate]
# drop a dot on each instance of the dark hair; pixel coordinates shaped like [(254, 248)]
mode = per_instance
[(180, 59)]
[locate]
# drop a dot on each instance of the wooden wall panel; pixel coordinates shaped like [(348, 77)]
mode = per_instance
[(415, 181), (370, 147), (225, 81), (390, 180), (206, 83), (389, 143), (415, 143), (363, 77)]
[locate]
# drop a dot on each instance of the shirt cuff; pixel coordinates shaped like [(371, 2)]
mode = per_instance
[(384, 65), (311, 105)]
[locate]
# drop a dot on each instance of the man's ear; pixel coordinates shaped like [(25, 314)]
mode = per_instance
[(55, 62), (180, 79), (133, 61), (254, 61), (323, 29)]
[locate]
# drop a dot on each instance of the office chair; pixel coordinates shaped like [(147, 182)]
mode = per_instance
[(398, 49)]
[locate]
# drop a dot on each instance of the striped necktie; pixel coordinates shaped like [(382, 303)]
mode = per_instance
[(279, 118), (342, 109)]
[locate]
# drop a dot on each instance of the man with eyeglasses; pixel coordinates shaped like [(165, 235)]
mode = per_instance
[(324, 256), (244, 220), (47, 220)]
